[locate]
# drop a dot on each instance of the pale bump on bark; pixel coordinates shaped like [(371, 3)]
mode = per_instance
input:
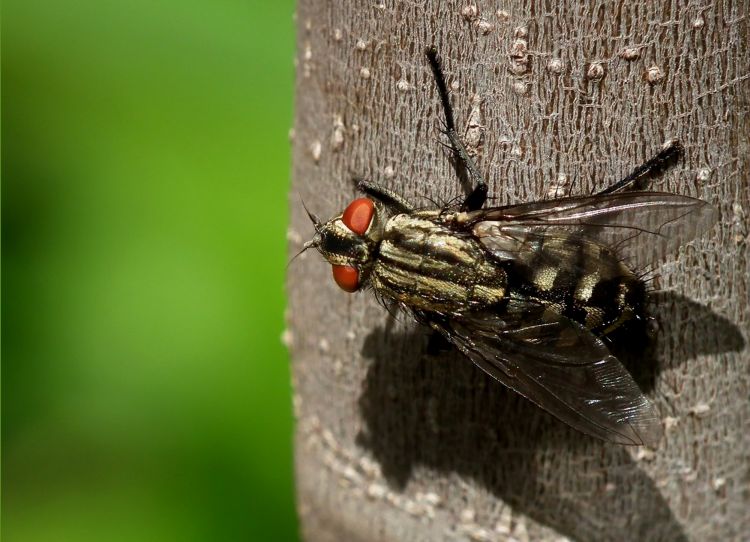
[(394, 443)]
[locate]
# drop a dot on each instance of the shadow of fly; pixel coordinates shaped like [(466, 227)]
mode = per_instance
[(530, 293)]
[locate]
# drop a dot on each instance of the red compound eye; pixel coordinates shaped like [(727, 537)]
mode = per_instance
[(358, 215), (346, 276)]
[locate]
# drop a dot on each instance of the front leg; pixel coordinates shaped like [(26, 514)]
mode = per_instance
[(392, 201), (475, 200)]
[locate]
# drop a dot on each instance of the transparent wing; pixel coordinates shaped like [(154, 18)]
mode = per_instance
[(641, 227), (560, 366)]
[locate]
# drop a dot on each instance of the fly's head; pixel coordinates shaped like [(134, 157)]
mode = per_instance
[(349, 241)]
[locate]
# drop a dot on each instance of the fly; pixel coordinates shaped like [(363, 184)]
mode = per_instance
[(528, 292)]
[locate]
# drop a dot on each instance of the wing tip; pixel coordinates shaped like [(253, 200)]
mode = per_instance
[(645, 429), (647, 435)]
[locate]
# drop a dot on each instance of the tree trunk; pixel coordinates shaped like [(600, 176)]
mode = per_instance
[(395, 443)]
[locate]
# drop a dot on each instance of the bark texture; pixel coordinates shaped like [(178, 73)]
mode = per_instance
[(394, 443)]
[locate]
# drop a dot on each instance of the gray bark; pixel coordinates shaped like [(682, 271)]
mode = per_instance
[(393, 443)]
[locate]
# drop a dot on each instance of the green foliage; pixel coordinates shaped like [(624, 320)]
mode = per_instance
[(146, 392)]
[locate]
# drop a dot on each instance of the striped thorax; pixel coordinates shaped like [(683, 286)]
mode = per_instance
[(426, 265)]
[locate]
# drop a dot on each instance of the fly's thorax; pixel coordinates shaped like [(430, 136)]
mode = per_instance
[(349, 241), (424, 264)]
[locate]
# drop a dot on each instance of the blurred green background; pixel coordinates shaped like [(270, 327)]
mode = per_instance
[(145, 171)]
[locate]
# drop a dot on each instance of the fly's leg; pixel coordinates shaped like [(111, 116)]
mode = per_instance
[(636, 180), (475, 200), (393, 202)]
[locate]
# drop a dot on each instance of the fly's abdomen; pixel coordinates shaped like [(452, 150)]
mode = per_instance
[(613, 303), (590, 285), (427, 266)]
